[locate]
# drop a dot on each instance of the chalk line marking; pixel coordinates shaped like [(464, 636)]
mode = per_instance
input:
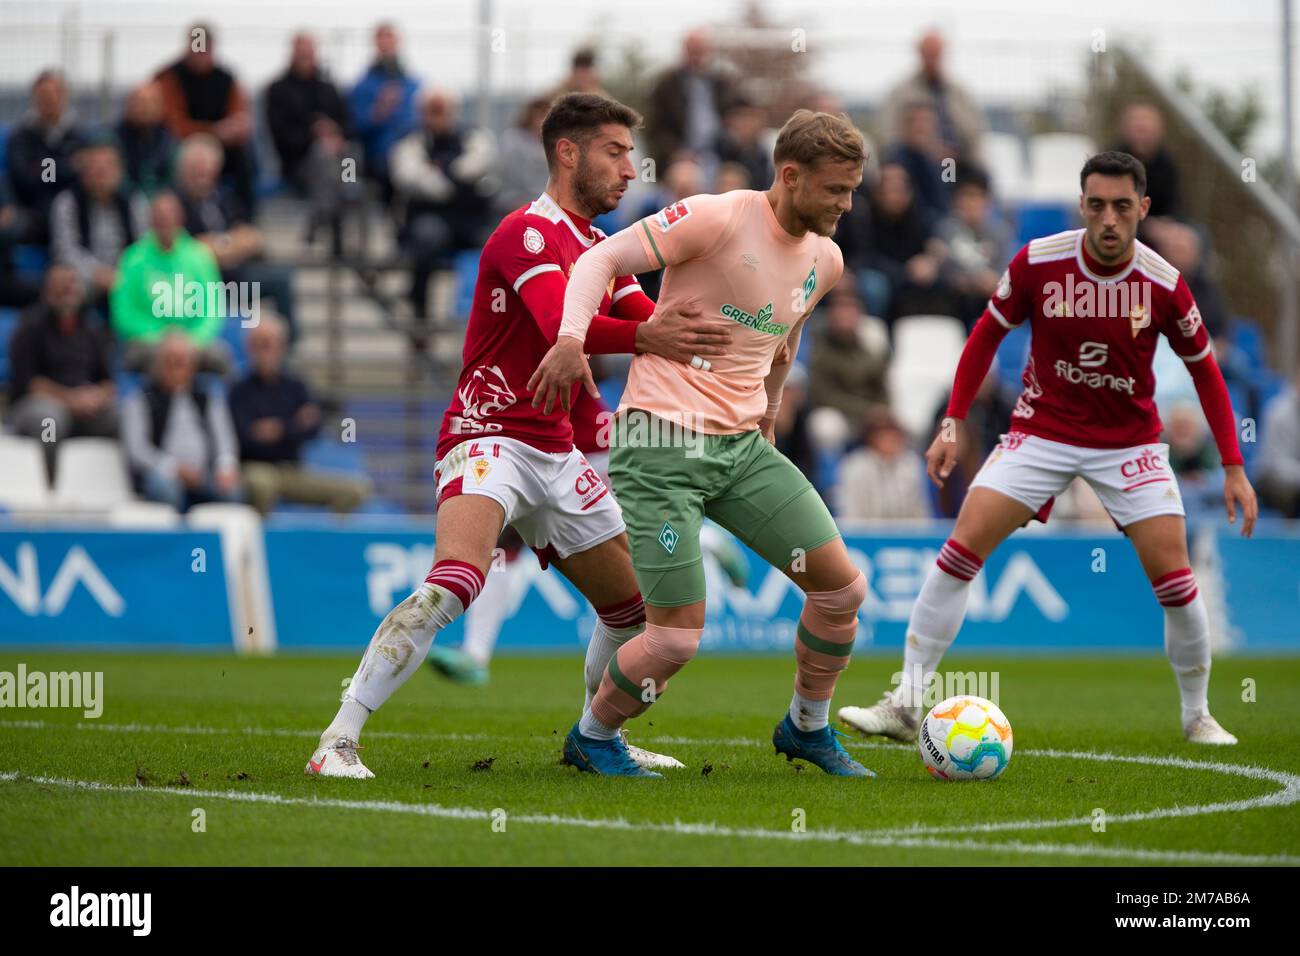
[(1289, 783), (677, 827)]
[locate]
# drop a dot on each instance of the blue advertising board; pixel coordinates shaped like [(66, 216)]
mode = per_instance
[(333, 583), (1261, 585), (1059, 591), (111, 587)]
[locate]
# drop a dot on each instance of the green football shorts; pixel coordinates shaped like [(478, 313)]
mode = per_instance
[(668, 480)]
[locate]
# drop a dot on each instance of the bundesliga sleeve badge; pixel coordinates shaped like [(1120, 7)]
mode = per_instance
[(670, 216), (533, 240)]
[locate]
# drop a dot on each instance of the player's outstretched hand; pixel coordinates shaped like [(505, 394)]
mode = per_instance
[(680, 332), (563, 365), (941, 457), (1237, 491)]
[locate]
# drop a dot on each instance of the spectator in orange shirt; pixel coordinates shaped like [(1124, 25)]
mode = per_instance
[(201, 97)]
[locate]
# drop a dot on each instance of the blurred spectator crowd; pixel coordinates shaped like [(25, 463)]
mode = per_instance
[(107, 233)]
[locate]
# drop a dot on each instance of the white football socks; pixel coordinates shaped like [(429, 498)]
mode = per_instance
[(605, 641), (1187, 645), (347, 722), (589, 726), (936, 617), (396, 650), (809, 715)]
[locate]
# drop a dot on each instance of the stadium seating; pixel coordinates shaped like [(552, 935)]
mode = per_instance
[(1004, 158), (1012, 354), (91, 475), (1054, 163), (926, 350), (8, 322), (143, 514), (24, 483)]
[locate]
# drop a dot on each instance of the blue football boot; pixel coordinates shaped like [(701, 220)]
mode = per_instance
[(609, 758), (820, 748)]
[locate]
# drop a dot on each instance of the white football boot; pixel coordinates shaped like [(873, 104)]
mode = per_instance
[(885, 718), (338, 759), (1204, 729), (649, 760)]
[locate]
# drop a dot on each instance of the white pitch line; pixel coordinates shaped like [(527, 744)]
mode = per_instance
[(1289, 794), (678, 828), (1289, 782)]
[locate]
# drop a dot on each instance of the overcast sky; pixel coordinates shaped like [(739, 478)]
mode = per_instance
[(1006, 51)]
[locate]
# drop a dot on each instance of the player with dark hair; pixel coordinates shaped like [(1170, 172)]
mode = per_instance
[(500, 460), (1097, 300)]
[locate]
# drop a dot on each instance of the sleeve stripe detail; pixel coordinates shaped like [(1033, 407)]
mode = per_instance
[(1209, 346), (998, 315), (535, 270), (654, 248), (626, 290)]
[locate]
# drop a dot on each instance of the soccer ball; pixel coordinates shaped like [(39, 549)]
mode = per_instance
[(965, 738)]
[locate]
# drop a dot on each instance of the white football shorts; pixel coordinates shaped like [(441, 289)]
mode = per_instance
[(557, 501), (1132, 483)]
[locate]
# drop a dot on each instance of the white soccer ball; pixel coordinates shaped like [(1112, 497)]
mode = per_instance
[(965, 738)]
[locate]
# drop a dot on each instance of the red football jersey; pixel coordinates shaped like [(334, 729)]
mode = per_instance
[(1088, 381), (504, 343)]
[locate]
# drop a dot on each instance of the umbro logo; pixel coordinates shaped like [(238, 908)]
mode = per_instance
[(750, 260)]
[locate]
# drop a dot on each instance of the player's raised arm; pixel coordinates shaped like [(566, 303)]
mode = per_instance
[(685, 230), (566, 362), (1191, 341)]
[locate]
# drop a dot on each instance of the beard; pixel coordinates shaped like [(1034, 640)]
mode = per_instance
[(590, 191), (816, 224)]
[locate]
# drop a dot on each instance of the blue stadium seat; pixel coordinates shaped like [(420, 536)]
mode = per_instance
[(30, 262), (465, 266), (378, 505), (8, 322), (804, 355), (1248, 337), (233, 334), (127, 382), (1035, 219), (1012, 354), (334, 455)]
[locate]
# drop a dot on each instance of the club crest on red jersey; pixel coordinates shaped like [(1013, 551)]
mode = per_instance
[(1190, 323), (534, 241), (669, 216), (1139, 318)]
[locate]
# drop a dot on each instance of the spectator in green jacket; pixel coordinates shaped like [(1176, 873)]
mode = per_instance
[(169, 281)]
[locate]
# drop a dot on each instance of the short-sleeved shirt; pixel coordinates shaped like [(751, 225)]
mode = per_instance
[(728, 254), (1089, 380)]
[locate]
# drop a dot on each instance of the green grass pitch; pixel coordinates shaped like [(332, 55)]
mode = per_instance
[(472, 775)]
